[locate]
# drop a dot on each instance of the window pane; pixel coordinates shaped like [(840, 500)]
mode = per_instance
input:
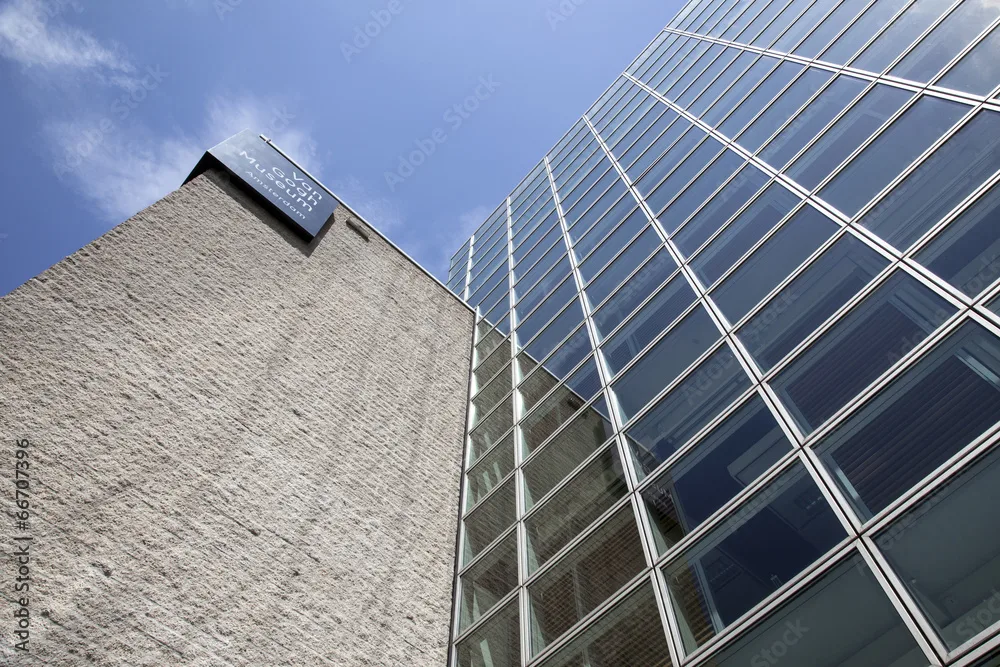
[(782, 108), (561, 456), (675, 156), (723, 205), (486, 474), (662, 136), (842, 620), (831, 25), (774, 536), (535, 245), (554, 280), (594, 571), (562, 361), (496, 644), (640, 286), (873, 19), (978, 71), (553, 412), (883, 159), (772, 262), (537, 262), (688, 340), (725, 462), (493, 426), (720, 85), (891, 321), (695, 194), (488, 581), (644, 246), (802, 26), (588, 234), (644, 132), (891, 43), (967, 253), (805, 303), (937, 407), (593, 491), (689, 407), (530, 319), (553, 335), (630, 634), (491, 394), (708, 76), (539, 383), (784, 19), (751, 78), (749, 227), (946, 40), (759, 98), (944, 179), (849, 132), (610, 246), (960, 592), (492, 517), (813, 118)]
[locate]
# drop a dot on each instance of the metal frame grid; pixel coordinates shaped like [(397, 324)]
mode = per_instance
[(626, 103)]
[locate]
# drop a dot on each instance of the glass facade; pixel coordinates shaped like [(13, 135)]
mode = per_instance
[(735, 396)]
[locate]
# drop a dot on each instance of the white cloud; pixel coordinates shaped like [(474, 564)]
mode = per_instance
[(127, 168), (27, 37)]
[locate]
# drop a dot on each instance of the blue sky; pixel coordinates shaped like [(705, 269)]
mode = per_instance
[(107, 105)]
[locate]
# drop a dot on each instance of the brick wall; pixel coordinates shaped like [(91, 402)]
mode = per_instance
[(243, 451)]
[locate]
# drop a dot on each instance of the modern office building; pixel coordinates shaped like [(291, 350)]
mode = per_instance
[(736, 382)]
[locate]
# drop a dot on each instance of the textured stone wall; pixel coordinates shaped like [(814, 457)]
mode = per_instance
[(243, 451)]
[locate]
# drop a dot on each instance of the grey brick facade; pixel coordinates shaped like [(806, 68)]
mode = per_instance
[(244, 451)]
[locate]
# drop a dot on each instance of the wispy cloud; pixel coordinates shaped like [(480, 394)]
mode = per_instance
[(133, 167), (28, 37)]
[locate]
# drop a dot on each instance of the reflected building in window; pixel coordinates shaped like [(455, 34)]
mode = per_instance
[(736, 385)]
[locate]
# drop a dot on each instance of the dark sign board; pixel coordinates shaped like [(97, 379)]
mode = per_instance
[(274, 181)]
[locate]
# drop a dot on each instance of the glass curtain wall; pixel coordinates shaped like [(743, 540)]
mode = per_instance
[(736, 383)]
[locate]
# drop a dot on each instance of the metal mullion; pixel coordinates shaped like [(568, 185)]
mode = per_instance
[(563, 341), (524, 183), (485, 284), (661, 59), (620, 92), (885, 28), (582, 626), (904, 604), (486, 383), (774, 18), (488, 356), (726, 7), (653, 188), (958, 58), (561, 382), (795, 18), (489, 413), (691, 69), (578, 171), (979, 653), (631, 93), (573, 164), (669, 66), (628, 121), (572, 191), (528, 268), (521, 235), (731, 634), (549, 356), (562, 309), (702, 16), (606, 267), (519, 214), (573, 142), (760, 13), (719, 22), (666, 150), (486, 264), (850, 23), (599, 451), (694, 178), (653, 47), (504, 534), (636, 141)]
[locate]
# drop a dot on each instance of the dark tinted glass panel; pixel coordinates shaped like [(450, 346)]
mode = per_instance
[(695, 194), (891, 152), (723, 205), (725, 462), (772, 538), (644, 246), (614, 242), (688, 340), (555, 411), (556, 331), (747, 229), (960, 594), (639, 286), (563, 360), (547, 285), (572, 508), (679, 132), (842, 620), (676, 158), (772, 262), (597, 568), (690, 406), (805, 303), (849, 132), (813, 118), (586, 236), (944, 179), (758, 99), (754, 75), (718, 87), (967, 253), (891, 321), (556, 298), (783, 108), (910, 428), (708, 76)]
